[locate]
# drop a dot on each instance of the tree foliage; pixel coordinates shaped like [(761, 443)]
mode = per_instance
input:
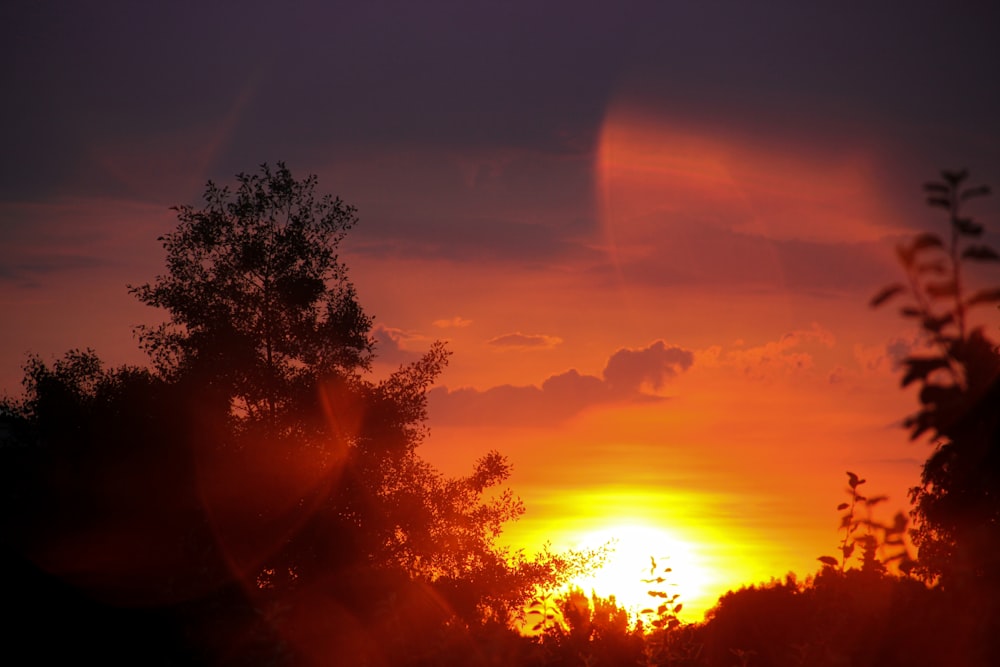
[(957, 503), (257, 483), (257, 297)]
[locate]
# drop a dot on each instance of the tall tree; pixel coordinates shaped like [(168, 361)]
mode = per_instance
[(258, 301), (259, 485), (263, 318)]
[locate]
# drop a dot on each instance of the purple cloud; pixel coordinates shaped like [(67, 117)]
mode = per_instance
[(626, 378)]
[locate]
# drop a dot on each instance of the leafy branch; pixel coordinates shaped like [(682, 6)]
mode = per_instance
[(940, 304), (880, 543)]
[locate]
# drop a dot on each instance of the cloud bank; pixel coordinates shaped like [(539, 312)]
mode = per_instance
[(629, 376)]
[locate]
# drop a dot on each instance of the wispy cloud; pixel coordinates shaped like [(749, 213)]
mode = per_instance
[(456, 322), (519, 340), (792, 352)]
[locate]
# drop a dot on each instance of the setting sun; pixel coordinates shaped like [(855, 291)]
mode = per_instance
[(639, 557)]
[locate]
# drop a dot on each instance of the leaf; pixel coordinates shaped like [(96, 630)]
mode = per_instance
[(847, 550), (829, 560), (678, 607), (842, 506), (852, 479), (647, 610), (979, 191), (933, 394), (953, 178), (910, 311), (984, 296), (940, 188), (980, 252), (918, 368), (920, 423), (885, 294), (967, 227), (942, 202)]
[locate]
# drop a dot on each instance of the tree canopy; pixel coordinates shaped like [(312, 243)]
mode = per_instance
[(256, 476), (257, 297)]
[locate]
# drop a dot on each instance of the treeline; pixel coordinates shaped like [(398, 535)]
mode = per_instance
[(253, 498)]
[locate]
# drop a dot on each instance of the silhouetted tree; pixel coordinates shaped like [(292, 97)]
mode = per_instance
[(258, 299), (106, 548), (859, 618), (257, 488), (957, 503)]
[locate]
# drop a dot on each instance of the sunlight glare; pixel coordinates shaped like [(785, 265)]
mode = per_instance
[(636, 549)]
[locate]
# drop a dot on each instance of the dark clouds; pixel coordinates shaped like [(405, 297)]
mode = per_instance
[(397, 347), (308, 81), (629, 370), (627, 377), (497, 107)]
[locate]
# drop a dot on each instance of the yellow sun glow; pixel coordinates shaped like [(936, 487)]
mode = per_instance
[(640, 555)]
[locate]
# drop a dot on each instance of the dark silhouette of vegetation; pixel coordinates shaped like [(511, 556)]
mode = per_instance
[(254, 498), (257, 298), (254, 493), (956, 506), (881, 543)]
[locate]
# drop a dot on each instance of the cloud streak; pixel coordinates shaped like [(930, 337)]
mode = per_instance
[(520, 341), (629, 376)]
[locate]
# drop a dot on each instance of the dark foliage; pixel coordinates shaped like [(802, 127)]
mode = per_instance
[(840, 618), (957, 503), (255, 499)]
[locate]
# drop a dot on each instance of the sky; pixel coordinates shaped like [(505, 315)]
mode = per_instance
[(648, 231)]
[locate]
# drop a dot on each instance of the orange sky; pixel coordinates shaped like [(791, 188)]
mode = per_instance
[(742, 451), (705, 363)]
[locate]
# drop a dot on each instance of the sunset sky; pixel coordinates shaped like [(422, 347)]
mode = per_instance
[(648, 230)]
